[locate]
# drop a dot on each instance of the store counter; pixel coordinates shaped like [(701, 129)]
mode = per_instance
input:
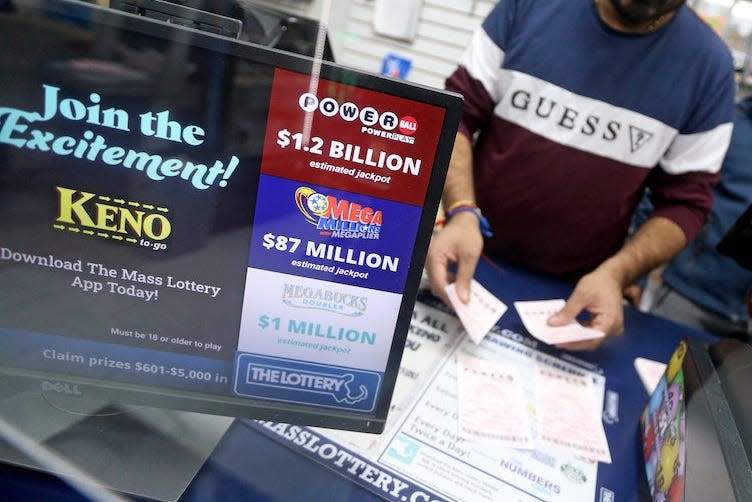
[(254, 462)]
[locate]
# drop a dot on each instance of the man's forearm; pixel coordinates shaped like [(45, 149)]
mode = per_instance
[(655, 243), (459, 181)]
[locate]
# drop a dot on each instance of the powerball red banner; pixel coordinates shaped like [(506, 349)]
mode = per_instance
[(350, 138)]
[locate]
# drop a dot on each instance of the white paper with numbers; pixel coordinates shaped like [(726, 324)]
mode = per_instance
[(535, 314), (491, 404), (480, 314), (569, 418), (421, 443)]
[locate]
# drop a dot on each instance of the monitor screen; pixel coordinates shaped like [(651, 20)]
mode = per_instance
[(695, 436), (192, 221)]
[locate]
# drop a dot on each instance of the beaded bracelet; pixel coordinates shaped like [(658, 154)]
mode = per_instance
[(485, 228)]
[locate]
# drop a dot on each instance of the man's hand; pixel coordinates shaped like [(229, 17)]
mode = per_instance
[(633, 294), (600, 294), (460, 242)]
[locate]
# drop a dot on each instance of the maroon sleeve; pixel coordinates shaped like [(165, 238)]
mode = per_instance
[(685, 199), (478, 107)]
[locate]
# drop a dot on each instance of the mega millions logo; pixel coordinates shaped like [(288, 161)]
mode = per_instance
[(112, 218), (338, 217)]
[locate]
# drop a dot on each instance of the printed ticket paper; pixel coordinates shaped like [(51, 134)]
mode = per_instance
[(650, 372), (568, 415), (535, 314), (480, 314), (491, 403), (421, 451)]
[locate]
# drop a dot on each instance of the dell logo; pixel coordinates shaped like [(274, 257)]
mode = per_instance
[(60, 388)]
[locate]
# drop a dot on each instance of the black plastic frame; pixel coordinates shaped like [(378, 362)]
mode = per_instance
[(15, 380), (181, 15)]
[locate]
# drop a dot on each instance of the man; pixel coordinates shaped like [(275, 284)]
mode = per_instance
[(577, 106), (702, 288)]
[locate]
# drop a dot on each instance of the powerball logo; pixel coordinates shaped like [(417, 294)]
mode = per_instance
[(382, 124), (338, 217)]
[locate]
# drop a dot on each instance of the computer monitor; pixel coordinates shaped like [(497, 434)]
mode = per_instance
[(736, 243), (243, 19), (174, 13), (196, 222), (695, 429)]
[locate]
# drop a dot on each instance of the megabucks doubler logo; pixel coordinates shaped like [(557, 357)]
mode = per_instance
[(334, 301)]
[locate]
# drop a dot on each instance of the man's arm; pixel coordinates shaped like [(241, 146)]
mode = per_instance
[(477, 80), (600, 292), (460, 241)]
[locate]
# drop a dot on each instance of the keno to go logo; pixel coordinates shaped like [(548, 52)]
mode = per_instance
[(338, 217), (112, 218)]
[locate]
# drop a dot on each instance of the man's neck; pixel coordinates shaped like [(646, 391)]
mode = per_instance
[(611, 17)]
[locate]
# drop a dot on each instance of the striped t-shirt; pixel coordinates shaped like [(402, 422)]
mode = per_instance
[(574, 119)]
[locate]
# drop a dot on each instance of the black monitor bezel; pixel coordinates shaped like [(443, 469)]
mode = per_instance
[(32, 380), (183, 15)]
